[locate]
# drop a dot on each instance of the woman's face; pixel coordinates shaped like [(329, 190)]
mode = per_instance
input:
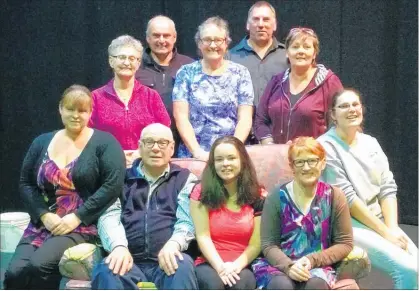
[(307, 168), (213, 44), (75, 117), (125, 62), (301, 52), (227, 162), (347, 112)]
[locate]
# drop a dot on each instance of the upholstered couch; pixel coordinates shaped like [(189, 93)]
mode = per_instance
[(271, 163)]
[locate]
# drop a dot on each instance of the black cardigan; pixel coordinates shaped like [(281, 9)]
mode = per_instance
[(98, 176)]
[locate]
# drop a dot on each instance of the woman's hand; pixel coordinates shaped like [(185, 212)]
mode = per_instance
[(229, 273), (300, 271), (50, 220), (130, 157), (396, 236), (68, 223), (200, 154)]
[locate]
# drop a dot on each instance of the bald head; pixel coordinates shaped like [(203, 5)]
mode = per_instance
[(162, 21), (156, 131)]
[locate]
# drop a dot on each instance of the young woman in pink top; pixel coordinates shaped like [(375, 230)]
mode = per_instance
[(226, 210), (124, 106)]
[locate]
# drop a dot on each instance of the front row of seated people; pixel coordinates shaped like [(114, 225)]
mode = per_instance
[(71, 179)]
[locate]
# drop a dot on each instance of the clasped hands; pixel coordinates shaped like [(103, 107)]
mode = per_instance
[(60, 225), (229, 273), (300, 270)]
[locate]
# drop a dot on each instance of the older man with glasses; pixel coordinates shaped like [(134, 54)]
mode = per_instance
[(155, 227)]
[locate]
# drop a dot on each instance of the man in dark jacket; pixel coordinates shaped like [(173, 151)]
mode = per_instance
[(161, 61), (146, 241)]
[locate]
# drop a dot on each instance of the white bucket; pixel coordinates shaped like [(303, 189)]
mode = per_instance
[(12, 225)]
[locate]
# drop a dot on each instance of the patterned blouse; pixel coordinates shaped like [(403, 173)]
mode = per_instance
[(213, 101), (67, 199)]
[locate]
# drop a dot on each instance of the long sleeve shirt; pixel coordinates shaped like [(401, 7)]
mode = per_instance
[(360, 171), (112, 232)]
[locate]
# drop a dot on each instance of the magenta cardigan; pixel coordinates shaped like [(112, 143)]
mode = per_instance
[(277, 119), (126, 122)]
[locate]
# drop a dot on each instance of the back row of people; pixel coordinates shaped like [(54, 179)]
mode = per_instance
[(211, 98)]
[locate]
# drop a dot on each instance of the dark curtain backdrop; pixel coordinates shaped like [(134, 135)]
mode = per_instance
[(47, 45)]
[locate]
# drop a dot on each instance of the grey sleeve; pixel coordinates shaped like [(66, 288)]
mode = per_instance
[(388, 187)]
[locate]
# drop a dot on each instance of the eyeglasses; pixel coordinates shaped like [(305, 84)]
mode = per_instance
[(217, 41), (122, 58), (161, 143), (346, 106), (311, 163), (301, 29)]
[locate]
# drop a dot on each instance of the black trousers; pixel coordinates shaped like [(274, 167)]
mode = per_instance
[(37, 268), (208, 279), (283, 282)]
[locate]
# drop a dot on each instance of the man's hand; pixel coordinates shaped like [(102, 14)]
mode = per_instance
[(167, 257), (50, 220), (300, 270), (120, 260), (67, 224)]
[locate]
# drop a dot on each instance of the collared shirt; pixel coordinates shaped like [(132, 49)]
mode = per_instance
[(261, 70), (112, 232)]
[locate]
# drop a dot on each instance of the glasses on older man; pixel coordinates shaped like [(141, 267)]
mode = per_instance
[(131, 59), (161, 143), (310, 162), (217, 41)]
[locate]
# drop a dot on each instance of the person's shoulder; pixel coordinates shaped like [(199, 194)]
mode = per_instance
[(101, 89), (100, 137), (183, 59), (237, 68), (44, 137)]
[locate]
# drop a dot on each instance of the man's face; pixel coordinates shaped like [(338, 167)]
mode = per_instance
[(261, 24), (162, 36), (156, 149)]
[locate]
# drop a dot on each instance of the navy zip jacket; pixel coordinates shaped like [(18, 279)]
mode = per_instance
[(149, 224)]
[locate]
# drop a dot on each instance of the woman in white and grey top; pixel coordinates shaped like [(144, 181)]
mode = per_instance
[(357, 165)]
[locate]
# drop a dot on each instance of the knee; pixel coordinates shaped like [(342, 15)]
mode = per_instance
[(316, 284), (101, 269), (281, 282), (247, 280), (16, 274), (185, 265)]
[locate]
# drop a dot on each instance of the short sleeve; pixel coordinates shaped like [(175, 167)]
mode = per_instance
[(181, 86), (196, 193), (245, 87)]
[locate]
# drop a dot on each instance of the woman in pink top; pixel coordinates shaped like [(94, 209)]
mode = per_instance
[(226, 210), (124, 106)]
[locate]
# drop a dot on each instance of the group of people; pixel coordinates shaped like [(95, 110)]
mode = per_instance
[(107, 174)]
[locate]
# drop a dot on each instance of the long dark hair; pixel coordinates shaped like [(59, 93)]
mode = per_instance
[(214, 194)]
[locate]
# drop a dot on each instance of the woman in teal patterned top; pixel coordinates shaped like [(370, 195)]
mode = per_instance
[(306, 226)]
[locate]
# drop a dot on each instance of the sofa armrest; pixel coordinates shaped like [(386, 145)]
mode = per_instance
[(78, 262), (355, 266)]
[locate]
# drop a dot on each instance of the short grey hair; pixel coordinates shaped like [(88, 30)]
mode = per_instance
[(218, 22), (261, 4), (125, 40), (147, 32), (159, 128)]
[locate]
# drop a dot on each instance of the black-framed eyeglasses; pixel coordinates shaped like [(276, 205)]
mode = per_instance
[(311, 162), (122, 58), (161, 143), (217, 41)]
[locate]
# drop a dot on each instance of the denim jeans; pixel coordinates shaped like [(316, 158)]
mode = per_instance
[(148, 271), (385, 256)]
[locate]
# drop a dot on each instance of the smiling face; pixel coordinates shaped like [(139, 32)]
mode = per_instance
[(75, 110), (261, 24), (307, 167), (125, 61), (156, 146), (227, 162), (213, 43), (302, 52), (161, 36), (347, 112)]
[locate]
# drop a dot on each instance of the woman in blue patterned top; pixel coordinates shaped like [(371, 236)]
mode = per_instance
[(212, 97)]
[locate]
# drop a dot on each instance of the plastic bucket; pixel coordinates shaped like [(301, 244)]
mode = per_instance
[(12, 225)]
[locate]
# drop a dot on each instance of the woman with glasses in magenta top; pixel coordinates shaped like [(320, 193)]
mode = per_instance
[(124, 106), (295, 102)]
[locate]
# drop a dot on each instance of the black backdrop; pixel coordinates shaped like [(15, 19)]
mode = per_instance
[(47, 45)]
